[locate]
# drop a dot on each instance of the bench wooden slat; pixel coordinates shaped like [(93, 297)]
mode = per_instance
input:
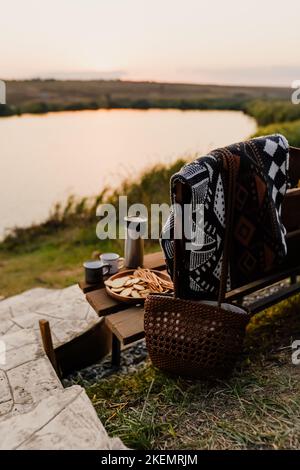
[(290, 267), (247, 289), (102, 303), (282, 294), (128, 325)]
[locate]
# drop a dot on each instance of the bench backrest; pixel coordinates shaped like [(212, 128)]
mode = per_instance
[(291, 220)]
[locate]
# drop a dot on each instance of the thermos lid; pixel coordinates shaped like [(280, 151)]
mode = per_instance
[(135, 222)]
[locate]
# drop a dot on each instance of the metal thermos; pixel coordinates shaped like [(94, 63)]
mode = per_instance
[(134, 242)]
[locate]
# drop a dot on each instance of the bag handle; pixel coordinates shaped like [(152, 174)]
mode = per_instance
[(229, 161), (183, 196)]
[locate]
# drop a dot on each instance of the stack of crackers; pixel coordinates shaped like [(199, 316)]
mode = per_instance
[(139, 284)]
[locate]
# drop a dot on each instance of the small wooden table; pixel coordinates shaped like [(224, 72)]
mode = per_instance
[(124, 323)]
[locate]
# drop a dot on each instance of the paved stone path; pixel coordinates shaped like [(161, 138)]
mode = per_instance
[(36, 412), (67, 311)]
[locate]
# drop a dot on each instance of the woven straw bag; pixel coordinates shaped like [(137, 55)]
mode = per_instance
[(197, 338)]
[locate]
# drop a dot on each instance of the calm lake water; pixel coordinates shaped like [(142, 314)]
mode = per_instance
[(46, 158)]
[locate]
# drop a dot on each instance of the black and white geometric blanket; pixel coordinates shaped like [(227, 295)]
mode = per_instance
[(259, 235)]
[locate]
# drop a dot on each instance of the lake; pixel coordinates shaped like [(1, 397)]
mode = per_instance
[(46, 158)]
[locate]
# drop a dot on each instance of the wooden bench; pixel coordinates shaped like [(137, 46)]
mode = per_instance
[(126, 323)]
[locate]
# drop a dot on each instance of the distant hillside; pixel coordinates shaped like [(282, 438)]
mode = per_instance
[(38, 96)]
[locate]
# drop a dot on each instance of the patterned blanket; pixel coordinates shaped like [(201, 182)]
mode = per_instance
[(258, 233)]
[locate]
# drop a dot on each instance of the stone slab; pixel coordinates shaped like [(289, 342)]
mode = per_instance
[(27, 375), (65, 419), (67, 311), (36, 412)]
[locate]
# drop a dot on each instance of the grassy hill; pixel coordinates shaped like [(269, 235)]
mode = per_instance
[(38, 96)]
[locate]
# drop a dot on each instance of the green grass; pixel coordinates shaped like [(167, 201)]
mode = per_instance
[(273, 111), (51, 254), (55, 262), (257, 408), (291, 130)]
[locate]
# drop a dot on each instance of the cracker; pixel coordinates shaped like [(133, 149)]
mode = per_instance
[(117, 289), (126, 292), (135, 294), (139, 287), (119, 282)]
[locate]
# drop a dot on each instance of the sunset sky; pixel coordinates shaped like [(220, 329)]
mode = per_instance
[(232, 41)]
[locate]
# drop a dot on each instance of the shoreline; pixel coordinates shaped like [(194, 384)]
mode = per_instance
[(42, 109), (69, 111)]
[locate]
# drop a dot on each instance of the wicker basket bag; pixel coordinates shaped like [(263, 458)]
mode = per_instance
[(197, 338)]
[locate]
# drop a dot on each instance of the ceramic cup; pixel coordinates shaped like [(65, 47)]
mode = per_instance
[(95, 270), (114, 261)]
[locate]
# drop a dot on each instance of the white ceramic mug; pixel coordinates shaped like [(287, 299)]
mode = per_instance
[(114, 261)]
